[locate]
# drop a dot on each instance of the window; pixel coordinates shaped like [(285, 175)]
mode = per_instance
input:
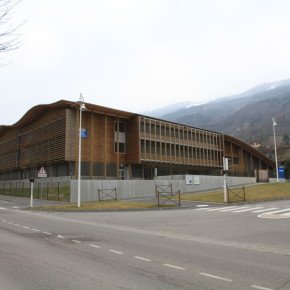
[(121, 147), (119, 138)]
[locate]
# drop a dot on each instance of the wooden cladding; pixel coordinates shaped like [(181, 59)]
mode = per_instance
[(40, 143), (116, 141), (162, 141)]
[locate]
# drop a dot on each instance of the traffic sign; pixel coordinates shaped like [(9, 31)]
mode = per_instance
[(42, 172)]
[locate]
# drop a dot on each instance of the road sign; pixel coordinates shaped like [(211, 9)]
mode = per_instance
[(83, 133), (42, 172)]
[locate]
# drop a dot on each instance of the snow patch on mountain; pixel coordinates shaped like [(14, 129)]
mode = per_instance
[(272, 88)]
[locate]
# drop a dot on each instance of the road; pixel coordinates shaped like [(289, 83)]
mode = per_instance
[(204, 247)]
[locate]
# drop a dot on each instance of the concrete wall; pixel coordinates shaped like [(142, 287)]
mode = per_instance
[(133, 189)]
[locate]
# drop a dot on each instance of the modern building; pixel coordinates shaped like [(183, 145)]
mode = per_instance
[(117, 145)]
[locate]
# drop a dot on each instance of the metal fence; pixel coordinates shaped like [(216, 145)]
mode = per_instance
[(236, 194), (46, 190)]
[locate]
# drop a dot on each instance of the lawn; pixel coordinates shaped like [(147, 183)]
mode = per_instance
[(104, 205), (252, 193)]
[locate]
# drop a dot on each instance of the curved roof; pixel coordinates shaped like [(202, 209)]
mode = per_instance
[(34, 112), (249, 148)]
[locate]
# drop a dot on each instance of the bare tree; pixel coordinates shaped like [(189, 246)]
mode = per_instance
[(9, 40)]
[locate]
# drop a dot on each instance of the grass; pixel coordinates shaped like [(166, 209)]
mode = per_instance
[(61, 193), (253, 193), (104, 205)]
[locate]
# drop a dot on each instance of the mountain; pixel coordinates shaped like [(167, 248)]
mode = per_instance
[(246, 116), (159, 112)]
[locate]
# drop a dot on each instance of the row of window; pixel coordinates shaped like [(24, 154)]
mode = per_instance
[(178, 132), (167, 149)]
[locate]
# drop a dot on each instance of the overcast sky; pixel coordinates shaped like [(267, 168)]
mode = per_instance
[(136, 55)]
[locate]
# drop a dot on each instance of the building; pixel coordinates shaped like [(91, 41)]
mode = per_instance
[(116, 145)]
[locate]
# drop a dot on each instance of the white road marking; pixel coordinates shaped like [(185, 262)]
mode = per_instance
[(219, 208), (60, 236), (203, 208), (143, 259), (240, 208), (36, 230), (202, 205), (259, 287), (215, 277), (4, 221), (116, 252), (247, 209), (2, 208), (95, 246), (17, 225), (15, 206), (173, 266), (265, 209), (231, 208), (47, 233), (26, 227), (76, 241), (285, 214), (277, 211), (254, 208)]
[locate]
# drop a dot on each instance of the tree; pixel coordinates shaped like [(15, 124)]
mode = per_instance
[(8, 38)]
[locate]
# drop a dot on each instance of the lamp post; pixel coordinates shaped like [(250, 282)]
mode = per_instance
[(276, 159), (81, 103)]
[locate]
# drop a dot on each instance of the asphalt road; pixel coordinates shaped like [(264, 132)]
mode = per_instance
[(246, 247)]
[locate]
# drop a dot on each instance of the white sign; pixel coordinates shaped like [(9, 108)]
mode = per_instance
[(196, 179), (188, 179), (42, 172), (226, 163), (155, 172)]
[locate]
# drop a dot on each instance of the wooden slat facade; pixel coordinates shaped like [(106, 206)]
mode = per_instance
[(119, 144)]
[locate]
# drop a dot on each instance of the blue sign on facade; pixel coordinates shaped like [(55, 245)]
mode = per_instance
[(281, 172), (84, 133)]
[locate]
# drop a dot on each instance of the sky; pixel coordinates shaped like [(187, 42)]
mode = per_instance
[(138, 55)]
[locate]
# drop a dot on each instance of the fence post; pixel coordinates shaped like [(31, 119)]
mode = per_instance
[(47, 188), (244, 193), (158, 196), (58, 191)]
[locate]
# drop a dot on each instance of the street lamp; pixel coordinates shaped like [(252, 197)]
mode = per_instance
[(81, 103), (277, 170)]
